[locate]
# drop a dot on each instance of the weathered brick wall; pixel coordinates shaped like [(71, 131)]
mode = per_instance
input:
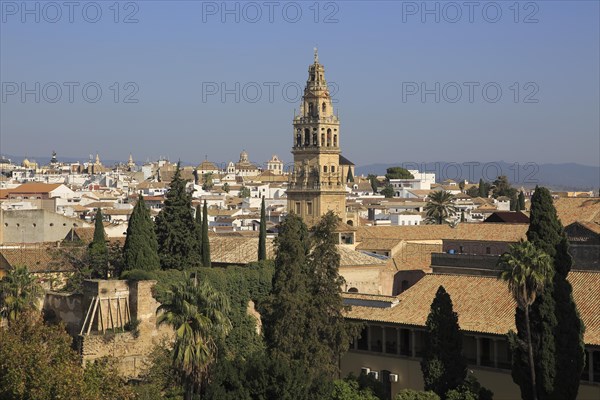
[(65, 307)]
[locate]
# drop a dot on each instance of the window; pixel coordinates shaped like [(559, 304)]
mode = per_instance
[(488, 250), (462, 250), (325, 168), (323, 107), (309, 208), (298, 209)]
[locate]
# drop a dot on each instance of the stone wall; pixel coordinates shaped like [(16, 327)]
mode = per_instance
[(65, 307)]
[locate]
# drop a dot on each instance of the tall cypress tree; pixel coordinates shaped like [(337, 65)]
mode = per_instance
[(198, 220), (286, 317), (262, 235), (482, 188), (560, 329), (444, 367), (175, 227), (98, 250), (205, 241), (141, 248), (521, 201), (330, 332)]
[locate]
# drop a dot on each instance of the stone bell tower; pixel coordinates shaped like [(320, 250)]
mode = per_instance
[(316, 184)]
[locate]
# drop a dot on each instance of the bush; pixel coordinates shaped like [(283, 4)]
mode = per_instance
[(409, 394)]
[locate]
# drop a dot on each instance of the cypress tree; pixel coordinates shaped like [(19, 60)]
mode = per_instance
[(205, 241), (521, 201), (98, 250), (175, 227), (329, 333), (514, 202), (262, 235), (482, 188), (350, 177), (141, 248), (198, 220), (560, 329), (444, 367), (286, 317)]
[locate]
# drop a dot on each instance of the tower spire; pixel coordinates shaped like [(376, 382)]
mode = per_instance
[(316, 55)]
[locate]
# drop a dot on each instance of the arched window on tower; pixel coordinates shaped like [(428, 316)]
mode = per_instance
[(335, 141), (332, 169), (306, 137), (298, 139), (325, 168), (323, 107), (310, 109), (328, 137), (322, 139), (314, 137)]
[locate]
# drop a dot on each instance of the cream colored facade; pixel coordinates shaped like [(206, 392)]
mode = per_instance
[(316, 184)]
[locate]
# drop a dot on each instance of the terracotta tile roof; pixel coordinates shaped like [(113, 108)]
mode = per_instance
[(36, 187), (352, 258), (416, 256), (571, 209), (483, 304), (466, 231), (373, 244), (42, 258), (592, 226), (229, 249), (586, 294)]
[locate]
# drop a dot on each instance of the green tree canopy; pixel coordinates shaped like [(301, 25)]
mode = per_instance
[(444, 367), (373, 181), (440, 207), (205, 246), (20, 293), (501, 187), (175, 227), (398, 173), (141, 248), (388, 191), (98, 250), (244, 193)]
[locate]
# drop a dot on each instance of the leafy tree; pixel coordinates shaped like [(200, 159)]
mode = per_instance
[(103, 380), (244, 193), (160, 380), (208, 181), (501, 187), (20, 293), (285, 316), (262, 234), (473, 191), (398, 173), (349, 389), (444, 367), (329, 332), (527, 270), (175, 226), (226, 187), (197, 313), (205, 239), (37, 362), (440, 207), (349, 177), (461, 185), (557, 326), (521, 201), (374, 182), (141, 248), (388, 191), (409, 394), (98, 250)]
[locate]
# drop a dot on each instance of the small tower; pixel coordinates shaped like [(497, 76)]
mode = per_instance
[(130, 163), (316, 185)]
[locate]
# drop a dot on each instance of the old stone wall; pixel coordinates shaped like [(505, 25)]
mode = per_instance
[(66, 308)]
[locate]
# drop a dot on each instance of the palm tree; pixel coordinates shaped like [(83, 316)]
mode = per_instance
[(527, 270), (198, 314), (19, 293), (440, 207)]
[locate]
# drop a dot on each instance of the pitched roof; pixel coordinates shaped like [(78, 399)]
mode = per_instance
[(352, 258), (42, 258), (229, 249), (465, 231), (510, 217), (483, 304), (571, 209), (36, 187)]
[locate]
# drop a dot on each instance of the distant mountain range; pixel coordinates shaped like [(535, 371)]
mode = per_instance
[(569, 176)]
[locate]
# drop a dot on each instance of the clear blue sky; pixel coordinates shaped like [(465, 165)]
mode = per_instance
[(373, 50)]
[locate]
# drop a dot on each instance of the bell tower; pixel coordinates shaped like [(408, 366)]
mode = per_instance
[(316, 184)]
